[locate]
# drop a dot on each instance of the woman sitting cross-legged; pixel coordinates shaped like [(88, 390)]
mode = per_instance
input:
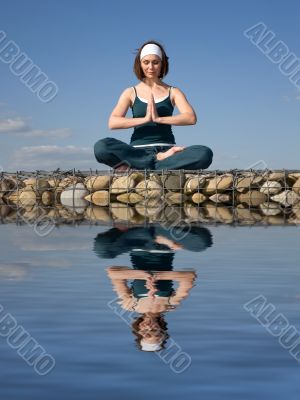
[(152, 145)]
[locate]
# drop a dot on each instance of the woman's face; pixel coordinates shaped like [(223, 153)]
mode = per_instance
[(151, 66), (150, 330)]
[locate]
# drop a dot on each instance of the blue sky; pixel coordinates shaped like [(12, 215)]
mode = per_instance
[(248, 111)]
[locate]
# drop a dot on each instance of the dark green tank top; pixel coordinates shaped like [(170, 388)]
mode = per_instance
[(152, 132)]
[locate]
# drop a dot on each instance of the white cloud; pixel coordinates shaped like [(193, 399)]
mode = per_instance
[(13, 271), (52, 157), (54, 133), (79, 246), (56, 241), (14, 125), (20, 127), (56, 262)]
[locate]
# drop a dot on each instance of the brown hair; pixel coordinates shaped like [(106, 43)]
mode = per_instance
[(137, 69), (163, 329)]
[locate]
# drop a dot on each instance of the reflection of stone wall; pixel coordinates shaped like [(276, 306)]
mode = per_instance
[(257, 196)]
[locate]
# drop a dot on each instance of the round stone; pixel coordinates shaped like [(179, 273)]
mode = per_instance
[(47, 198), (286, 198), (243, 184), (296, 186), (27, 198), (175, 198), (121, 211), (96, 213), (218, 213), (97, 182), (131, 198), (99, 198), (73, 197), (198, 198), (149, 189), (276, 176), (173, 181), (122, 184), (194, 184), (219, 183), (220, 198), (271, 187), (270, 208), (253, 198)]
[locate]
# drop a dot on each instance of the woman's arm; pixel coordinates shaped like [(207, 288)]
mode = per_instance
[(185, 279), (117, 119), (182, 291), (125, 273), (187, 115), (119, 277)]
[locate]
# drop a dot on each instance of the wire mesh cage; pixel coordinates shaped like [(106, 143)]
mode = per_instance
[(143, 196)]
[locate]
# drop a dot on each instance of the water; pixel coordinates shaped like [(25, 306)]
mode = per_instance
[(58, 289)]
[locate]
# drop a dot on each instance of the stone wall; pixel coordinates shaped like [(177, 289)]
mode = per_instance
[(222, 196)]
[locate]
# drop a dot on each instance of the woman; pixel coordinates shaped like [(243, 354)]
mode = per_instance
[(152, 145), (151, 295)]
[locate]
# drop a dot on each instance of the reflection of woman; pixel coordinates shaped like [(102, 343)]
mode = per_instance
[(151, 294), (151, 245), (152, 102)]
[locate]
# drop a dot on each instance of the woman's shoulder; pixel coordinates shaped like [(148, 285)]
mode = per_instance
[(127, 95), (176, 92), (128, 90), (175, 89), (130, 94)]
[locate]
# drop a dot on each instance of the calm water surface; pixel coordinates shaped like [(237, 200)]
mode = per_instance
[(60, 290)]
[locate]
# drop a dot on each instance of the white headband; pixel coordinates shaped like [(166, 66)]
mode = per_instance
[(151, 48), (150, 346)]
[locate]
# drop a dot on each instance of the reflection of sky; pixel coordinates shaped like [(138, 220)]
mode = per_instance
[(242, 247), (62, 300)]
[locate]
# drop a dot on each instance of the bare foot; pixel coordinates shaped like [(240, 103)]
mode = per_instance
[(170, 243), (121, 227), (162, 155), (122, 168)]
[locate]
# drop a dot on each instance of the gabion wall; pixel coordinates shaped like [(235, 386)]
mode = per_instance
[(271, 197)]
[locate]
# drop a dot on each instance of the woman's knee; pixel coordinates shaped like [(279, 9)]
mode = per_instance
[(205, 155), (101, 149), (208, 155)]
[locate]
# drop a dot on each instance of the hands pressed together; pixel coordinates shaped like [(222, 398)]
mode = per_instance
[(151, 114), (187, 279)]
